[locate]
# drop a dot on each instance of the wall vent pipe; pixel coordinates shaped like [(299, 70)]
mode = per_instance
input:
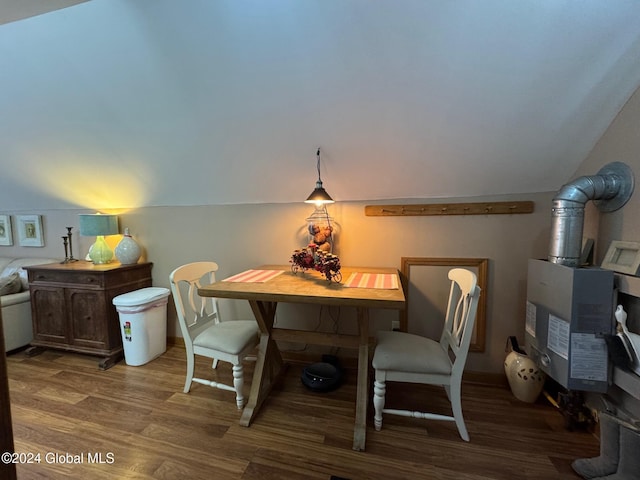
[(609, 189)]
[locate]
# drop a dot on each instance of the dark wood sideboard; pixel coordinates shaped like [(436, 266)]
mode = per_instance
[(72, 308)]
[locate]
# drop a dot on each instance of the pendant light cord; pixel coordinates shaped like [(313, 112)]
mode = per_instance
[(324, 206)]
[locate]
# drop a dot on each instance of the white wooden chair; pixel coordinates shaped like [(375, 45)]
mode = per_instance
[(203, 332), (405, 357)]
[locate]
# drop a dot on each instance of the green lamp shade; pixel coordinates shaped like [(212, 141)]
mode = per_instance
[(93, 225), (99, 225)]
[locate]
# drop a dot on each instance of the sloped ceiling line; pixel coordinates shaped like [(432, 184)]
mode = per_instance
[(225, 101)]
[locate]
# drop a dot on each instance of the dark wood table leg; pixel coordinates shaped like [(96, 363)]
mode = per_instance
[(269, 365), (362, 392)]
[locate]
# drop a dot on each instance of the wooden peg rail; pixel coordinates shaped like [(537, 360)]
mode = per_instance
[(481, 208)]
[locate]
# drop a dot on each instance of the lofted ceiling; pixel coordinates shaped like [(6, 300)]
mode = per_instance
[(123, 103), (13, 10)]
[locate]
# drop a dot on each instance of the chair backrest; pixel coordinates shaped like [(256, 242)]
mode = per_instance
[(195, 313), (461, 316)]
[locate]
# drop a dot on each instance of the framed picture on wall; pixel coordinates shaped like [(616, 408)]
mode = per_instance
[(30, 230), (6, 235)]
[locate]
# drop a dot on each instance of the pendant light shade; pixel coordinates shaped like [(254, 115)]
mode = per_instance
[(319, 195)]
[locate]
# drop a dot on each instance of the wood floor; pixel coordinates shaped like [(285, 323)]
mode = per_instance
[(137, 421)]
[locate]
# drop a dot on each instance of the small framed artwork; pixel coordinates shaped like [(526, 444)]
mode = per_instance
[(6, 236), (623, 257), (30, 230)]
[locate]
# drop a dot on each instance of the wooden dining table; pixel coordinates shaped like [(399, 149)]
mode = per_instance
[(308, 287)]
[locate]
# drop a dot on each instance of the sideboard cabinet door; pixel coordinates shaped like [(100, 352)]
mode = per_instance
[(72, 306), (50, 304)]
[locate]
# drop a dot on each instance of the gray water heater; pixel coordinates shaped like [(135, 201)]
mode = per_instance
[(568, 312)]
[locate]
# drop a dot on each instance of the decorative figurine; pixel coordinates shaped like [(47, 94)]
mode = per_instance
[(312, 258), (321, 235)]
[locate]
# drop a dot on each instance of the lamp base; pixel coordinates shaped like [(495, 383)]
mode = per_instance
[(100, 253)]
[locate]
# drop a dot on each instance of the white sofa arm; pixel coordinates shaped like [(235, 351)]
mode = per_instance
[(16, 319), (14, 298), (16, 307)]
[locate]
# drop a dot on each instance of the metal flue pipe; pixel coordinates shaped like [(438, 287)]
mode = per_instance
[(610, 189)]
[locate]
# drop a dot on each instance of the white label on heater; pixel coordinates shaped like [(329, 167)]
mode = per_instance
[(530, 325), (588, 357), (558, 336)]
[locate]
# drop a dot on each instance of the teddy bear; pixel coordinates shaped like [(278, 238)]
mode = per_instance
[(321, 235)]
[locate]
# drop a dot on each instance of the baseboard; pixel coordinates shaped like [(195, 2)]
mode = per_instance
[(486, 378), (175, 341)]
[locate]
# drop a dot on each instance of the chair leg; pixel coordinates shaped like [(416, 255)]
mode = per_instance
[(238, 384), (190, 367), (379, 391), (214, 365), (456, 407), (447, 390)]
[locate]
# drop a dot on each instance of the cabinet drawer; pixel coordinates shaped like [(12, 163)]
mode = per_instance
[(74, 278)]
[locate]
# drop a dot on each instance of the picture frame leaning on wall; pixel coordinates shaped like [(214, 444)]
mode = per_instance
[(427, 277)]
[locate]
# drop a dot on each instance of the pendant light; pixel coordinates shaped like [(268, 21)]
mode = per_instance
[(319, 196)]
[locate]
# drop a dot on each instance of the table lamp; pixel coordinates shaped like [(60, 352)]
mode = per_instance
[(99, 225)]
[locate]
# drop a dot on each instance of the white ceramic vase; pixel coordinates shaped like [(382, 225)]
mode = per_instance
[(525, 378), (128, 251)]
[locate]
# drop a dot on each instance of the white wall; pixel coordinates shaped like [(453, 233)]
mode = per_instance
[(621, 143), (207, 102), (239, 237)]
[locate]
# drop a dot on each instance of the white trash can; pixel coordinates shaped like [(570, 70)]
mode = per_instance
[(143, 324)]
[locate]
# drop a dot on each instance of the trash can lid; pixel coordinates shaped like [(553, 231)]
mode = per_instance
[(140, 297)]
